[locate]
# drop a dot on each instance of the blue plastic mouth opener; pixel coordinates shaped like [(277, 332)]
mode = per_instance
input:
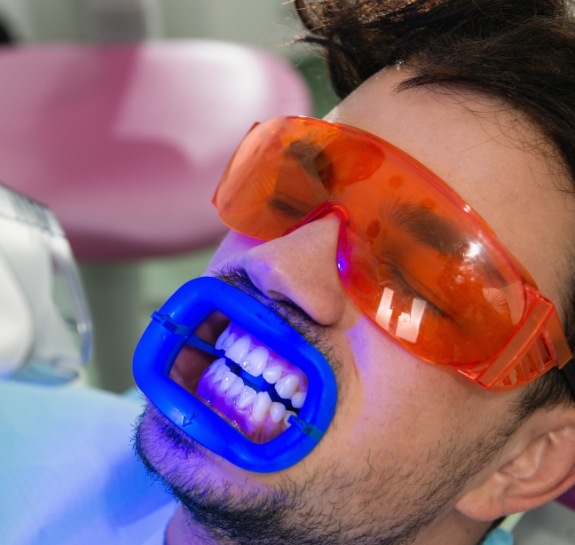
[(174, 326)]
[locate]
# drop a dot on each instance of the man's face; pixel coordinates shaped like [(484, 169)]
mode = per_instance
[(408, 438)]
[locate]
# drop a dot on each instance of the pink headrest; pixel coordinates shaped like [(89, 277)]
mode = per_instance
[(126, 143)]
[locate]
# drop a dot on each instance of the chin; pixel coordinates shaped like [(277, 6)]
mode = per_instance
[(180, 461)]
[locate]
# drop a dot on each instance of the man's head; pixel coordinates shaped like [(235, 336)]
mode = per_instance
[(415, 452)]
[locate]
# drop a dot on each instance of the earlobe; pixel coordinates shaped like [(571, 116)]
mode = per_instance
[(537, 466)]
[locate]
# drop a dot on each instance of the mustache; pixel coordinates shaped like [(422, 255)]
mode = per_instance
[(297, 318)]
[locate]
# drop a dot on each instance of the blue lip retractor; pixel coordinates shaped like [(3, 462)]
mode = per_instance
[(173, 327)]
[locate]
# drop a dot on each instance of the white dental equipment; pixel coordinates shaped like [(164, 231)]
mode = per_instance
[(45, 328)]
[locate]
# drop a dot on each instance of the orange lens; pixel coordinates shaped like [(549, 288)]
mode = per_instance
[(412, 255)]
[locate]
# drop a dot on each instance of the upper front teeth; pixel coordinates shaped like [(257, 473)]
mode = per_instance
[(254, 362), (226, 339), (239, 349), (298, 399)]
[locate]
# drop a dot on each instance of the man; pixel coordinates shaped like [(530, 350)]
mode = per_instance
[(416, 452)]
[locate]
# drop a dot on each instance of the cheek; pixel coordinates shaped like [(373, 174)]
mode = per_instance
[(397, 404), (387, 373), (377, 399)]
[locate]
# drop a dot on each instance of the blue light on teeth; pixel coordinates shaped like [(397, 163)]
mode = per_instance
[(174, 326)]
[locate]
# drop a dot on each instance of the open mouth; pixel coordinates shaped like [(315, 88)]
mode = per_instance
[(245, 382), (235, 376)]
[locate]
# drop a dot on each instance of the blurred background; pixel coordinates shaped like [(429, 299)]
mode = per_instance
[(267, 24), (122, 293)]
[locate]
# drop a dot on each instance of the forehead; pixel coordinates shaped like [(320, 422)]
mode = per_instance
[(492, 156)]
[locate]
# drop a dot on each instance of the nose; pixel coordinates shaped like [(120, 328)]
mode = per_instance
[(301, 268)]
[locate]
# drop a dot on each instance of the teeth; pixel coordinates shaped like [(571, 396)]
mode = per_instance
[(273, 373), (286, 387), (239, 349), (236, 387), (277, 412), (255, 362), (214, 366), (261, 406), (227, 382), (223, 336), (228, 341), (247, 396), (219, 371), (298, 400)]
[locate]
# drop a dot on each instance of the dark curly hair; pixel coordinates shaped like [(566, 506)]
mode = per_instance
[(521, 51)]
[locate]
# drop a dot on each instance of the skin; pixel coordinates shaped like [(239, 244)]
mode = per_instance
[(409, 439)]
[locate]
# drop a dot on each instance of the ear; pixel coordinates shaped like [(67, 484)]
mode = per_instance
[(536, 466)]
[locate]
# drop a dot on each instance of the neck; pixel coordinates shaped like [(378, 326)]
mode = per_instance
[(456, 530), (182, 530)]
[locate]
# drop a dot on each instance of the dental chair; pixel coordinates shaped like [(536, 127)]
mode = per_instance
[(125, 143)]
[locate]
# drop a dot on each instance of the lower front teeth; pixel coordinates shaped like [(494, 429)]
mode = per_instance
[(236, 387), (261, 406), (246, 397), (228, 381), (277, 412)]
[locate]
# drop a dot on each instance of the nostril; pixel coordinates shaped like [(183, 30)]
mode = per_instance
[(300, 269), (279, 297)]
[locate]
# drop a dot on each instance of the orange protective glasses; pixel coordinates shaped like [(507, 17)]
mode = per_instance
[(412, 255)]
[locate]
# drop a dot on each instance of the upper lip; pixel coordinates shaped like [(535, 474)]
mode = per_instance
[(291, 313)]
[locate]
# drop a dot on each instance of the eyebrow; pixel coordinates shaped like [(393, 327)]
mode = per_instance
[(417, 220), (427, 227)]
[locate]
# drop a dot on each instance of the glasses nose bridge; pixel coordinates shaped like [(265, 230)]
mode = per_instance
[(322, 210)]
